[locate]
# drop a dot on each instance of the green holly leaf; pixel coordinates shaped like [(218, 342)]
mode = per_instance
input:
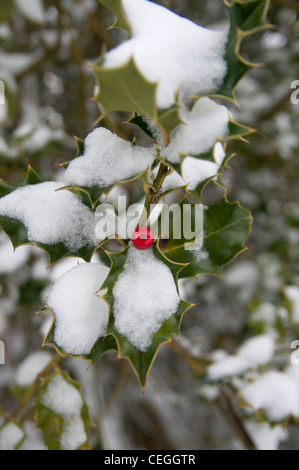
[(142, 361), (226, 227), (246, 18), (121, 20), (31, 178), (124, 88), (57, 419)]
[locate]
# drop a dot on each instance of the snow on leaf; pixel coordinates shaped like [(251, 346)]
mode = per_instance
[(145, 306), (275, 394), (56, 221), (11, 436), (80, 315), (61, 413), (107, 159), (202, 126), (190, 61)]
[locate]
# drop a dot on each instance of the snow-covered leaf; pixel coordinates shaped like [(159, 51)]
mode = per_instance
[(56, 221), (80, 316), (145, 307), (62, 414)]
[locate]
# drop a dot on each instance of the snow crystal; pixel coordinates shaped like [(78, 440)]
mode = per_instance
[(275, 393), (61, 397), (29, 369), (266, 437), (292, 294), (202, 126), (10, 436), (259, 349), (107, 159), (145, 296), (65, 400), (191, 59), (80, 315), (51, 216)]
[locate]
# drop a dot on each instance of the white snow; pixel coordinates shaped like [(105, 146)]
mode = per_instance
[(11, 260), (196, 171), (64, 399), (41, 137), (275, 393), (32, 9), (228, 366), (292, 371), (29, 369), (73, 433), (219, 153), (81, 316), (292, 294), (172, 51), (266, 437), (51, 216), (11, 436), (259, 349), (15, 63), (145, 296), (254, 352), (107, 159), (202, 126)]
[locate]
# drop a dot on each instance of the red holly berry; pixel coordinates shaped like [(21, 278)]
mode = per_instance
[(143, 238)]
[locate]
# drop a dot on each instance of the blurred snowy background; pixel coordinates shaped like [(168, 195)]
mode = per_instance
[(45, 47)]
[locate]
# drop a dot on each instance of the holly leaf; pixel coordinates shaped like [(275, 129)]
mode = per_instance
[(121, 20), (18, 233), (56, 424), (142, 361), (124, 88), (247, 17), (226, 227)]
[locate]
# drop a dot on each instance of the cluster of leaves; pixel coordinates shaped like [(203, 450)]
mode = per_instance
[(226, 225)]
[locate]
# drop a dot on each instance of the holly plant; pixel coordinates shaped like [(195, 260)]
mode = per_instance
[(175, 83)]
